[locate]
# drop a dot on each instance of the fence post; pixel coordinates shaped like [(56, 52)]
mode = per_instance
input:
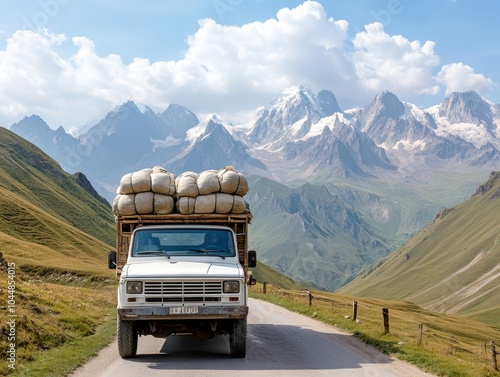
[(494, 354), (310, 298), (264, 287), (354, 310), (385, 314), (421, 328)]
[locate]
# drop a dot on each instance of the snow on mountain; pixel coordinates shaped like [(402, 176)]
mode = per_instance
[(211, 145), (467, 116), (329, 122), (289, 116), (394, 125)]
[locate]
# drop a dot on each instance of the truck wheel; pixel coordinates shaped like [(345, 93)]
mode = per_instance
[(238, 338), (127, 338)]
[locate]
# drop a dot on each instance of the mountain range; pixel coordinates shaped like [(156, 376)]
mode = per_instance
[(332, 190)]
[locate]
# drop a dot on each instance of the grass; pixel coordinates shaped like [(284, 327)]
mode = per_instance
[(29, 175), (451, 346), (265, 273), (57, 325), (74, 354)]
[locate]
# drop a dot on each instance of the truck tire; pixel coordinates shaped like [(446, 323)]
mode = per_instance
[(238, 338), (127, 338)]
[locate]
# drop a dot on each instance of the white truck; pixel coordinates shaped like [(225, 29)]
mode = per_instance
[(182, 274)]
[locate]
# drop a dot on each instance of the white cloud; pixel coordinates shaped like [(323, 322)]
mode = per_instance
[(393, 63), (458, 77), (228, 70)]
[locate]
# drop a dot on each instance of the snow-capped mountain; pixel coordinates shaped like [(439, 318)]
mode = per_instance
[(469, 117), (403, 129), (300, 139), (290, 116), (211, 145), (298, 135)]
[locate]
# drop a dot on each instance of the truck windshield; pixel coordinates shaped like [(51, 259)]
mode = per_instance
[(183, 242)]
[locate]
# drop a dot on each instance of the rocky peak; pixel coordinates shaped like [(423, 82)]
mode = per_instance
[(290, 115), (467, 107), (29, 125), (386, 104), (85, 184), (178, 119), (328, 103)]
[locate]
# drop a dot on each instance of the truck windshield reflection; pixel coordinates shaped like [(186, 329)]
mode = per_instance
[(183, 242)]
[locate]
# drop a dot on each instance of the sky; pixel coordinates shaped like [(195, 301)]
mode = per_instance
[(71, 62)]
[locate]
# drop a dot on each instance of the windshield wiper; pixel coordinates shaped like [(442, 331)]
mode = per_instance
[(146, 252), (208, 251)]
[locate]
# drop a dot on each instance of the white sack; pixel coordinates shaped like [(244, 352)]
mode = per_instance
[(208, 182), (163, 183), (242, 189), (114, 206), (144, 203), (223, 203), (163, 204), (159, 169), (185, 184), (232, 182), (126, 205), (141, 181), (205, 204), (239, 205), (185, 205), (125, 185)]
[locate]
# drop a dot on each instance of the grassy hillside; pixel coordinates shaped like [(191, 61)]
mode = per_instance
[(263, 273), (452, 265), (54, 240), (30, 174)]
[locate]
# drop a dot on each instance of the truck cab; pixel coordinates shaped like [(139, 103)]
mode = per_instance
[(184, 277)]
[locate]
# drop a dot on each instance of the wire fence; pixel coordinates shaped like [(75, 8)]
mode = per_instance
[(405, 323)]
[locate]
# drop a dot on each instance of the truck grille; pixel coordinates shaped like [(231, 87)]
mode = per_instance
[(183, 291)]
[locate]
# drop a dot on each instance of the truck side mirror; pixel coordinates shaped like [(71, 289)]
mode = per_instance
[(252, 258), (112, 260)]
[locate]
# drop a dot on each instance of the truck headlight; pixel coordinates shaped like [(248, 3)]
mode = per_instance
[(231, 286), (134, 287)]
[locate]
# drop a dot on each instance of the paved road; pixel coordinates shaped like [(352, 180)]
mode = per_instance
[(280, 343)]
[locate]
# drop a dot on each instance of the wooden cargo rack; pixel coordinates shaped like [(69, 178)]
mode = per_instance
[(125, 226)]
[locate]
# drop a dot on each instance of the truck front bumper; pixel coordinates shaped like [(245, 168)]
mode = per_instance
[(164, 313)]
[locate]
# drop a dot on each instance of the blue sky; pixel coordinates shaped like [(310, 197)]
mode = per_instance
[(73, 61)]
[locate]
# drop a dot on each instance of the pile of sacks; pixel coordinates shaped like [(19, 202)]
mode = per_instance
[(157, 191)]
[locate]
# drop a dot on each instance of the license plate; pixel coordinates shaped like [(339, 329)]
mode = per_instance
[(184, 310)]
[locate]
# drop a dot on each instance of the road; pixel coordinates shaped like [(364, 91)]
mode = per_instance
[(280, 343)]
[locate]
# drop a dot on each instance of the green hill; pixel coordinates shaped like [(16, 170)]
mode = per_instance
[(452, 265), (27, 172), (55, 238), (263, 273)]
